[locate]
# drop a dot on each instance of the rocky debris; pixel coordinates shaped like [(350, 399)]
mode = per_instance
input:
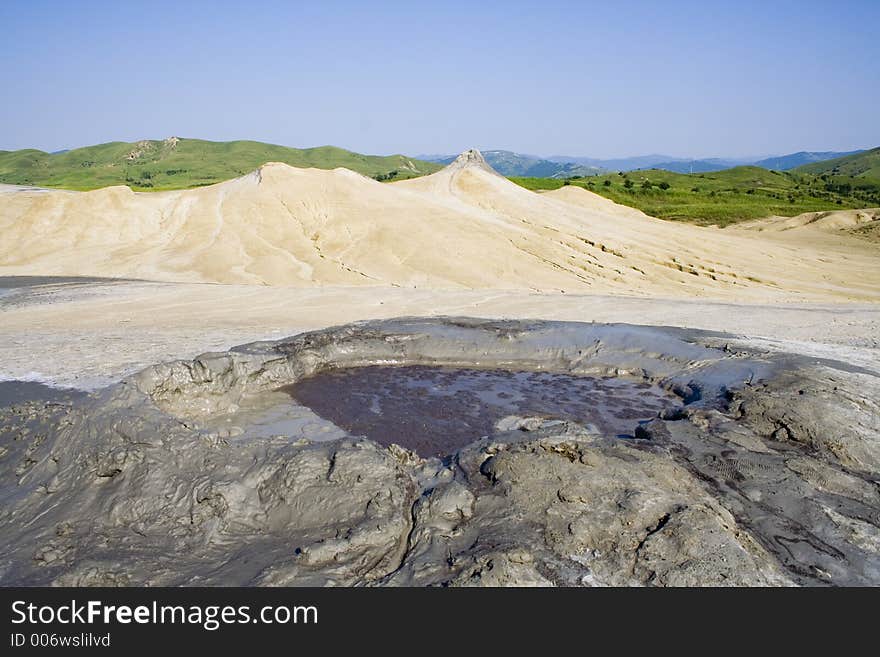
[(767, 476), (140, 148)]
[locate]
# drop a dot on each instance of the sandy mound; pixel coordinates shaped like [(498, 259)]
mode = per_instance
[(837, 220), (590, 200), (839, 226), (464, 226)]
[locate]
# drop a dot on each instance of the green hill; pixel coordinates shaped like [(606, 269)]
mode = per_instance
[(180, 163), (723, 197), (865, 164)]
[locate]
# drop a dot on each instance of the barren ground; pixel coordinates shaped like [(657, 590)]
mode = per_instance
[(91, 334)]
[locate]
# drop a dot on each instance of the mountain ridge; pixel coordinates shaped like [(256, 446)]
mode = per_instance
[(510, 163)]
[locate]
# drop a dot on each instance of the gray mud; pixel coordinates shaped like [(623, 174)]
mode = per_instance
[(17, 282), (201, 472), (16, 291), (14, 393), (435, 411)]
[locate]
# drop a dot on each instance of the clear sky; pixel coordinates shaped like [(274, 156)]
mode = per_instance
[(578, 78)]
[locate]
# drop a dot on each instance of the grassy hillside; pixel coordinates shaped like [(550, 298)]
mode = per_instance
[(723, 197), (865, 164), (181, 163)]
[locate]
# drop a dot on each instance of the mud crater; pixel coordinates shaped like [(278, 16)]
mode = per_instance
[(767, 476)]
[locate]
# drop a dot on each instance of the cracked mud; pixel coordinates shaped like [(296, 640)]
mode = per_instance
[(763, 470)]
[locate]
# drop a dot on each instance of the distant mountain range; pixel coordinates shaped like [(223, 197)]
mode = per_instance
[(563, 166), (794, 160), (508, 163)]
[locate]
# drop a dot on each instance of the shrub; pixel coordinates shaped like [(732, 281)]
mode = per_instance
[(382, 177)]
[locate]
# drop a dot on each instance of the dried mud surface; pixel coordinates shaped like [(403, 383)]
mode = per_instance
[(187, 473)]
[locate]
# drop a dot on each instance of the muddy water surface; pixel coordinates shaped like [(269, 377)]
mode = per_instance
[(437, 410)]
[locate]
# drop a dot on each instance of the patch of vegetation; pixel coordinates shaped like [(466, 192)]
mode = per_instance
[(724, 197), (181, 163)]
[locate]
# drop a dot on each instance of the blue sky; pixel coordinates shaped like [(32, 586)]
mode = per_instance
[(579, 78)]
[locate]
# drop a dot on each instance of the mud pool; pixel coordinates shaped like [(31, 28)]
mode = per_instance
[(437, 410)]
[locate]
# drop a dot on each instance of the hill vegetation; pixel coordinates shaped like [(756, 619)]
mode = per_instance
[(724, 197), (865, 164), (182, 163)]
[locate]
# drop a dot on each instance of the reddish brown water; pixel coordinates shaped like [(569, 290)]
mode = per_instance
[(437, 410)]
